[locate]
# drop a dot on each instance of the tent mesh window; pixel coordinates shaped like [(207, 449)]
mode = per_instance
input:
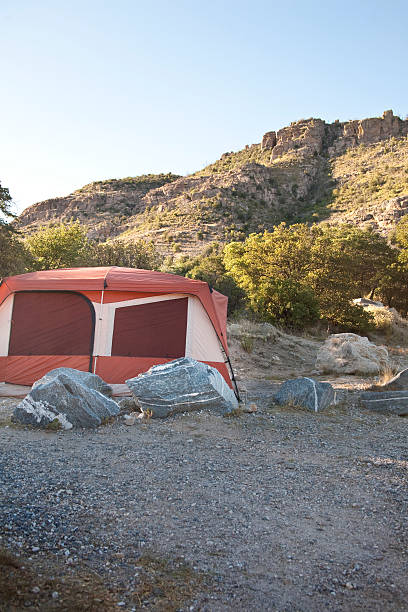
[(157, 329), (51, 323)]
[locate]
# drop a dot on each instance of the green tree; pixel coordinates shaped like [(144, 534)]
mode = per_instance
[(292, 272), (286, 302), (14, 257), (209, 267), (365, 253), (5, 204), (346, 263), (64, 245), (400, 236), (139, 254), (393, 290)]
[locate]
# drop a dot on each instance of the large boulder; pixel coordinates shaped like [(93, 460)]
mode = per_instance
[(182, 385), (351, 354), (386, 402), (305, 393), (68, 398)]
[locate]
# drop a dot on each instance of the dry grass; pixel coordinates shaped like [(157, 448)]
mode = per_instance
[(386, 375), (388, 324), (371, 174), (27, 585), (162, 585), (247, 343)]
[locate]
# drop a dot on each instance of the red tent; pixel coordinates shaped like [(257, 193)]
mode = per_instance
[(116, 322)]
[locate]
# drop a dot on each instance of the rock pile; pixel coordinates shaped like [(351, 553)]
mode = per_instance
[(66, 398)]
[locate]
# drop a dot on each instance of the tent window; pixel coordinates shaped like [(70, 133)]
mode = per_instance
[(51, 323), (157, 329)]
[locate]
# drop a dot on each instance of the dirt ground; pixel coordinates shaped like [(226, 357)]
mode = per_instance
[(278, 510)]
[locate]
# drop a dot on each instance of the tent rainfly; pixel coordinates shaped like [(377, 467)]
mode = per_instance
[(115, 322)]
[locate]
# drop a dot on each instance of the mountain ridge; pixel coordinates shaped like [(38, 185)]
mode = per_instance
[(354, 171)]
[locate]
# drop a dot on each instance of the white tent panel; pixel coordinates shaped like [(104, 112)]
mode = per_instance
[(6, 312), (202, 342), (105, 317)]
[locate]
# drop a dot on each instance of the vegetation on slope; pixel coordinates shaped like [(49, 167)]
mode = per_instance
[(293, 275), (370, 174), (144, 181), (186, 224), (237, 159)]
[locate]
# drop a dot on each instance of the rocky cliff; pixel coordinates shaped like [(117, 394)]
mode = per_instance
[(355, 171), (102, 205)]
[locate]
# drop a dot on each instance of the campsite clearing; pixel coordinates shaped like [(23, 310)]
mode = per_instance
[(282, 509)]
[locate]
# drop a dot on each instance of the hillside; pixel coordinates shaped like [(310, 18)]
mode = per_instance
[(354, 171)]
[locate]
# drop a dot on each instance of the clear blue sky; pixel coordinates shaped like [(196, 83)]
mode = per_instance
[(102, 89)]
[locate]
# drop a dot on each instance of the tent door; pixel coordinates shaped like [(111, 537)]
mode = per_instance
[(52, 323)]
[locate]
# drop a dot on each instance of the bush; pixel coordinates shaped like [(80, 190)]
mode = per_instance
[(14, 256), (138, 254), (293, 273), (285, 302), (64, 245), (209, 267)]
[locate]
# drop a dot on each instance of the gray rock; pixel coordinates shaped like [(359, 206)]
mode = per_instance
[(387, 402), (366, 301), (93, 381), (305, 392), (398, 383), (69, 397), (182, 385)]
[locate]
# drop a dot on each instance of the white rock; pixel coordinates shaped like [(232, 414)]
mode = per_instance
[(351, 354), (130, 419)]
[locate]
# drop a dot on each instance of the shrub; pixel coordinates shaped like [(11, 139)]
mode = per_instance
[(138, 254), (14, 256), (63, 245), (291, 274), (285, 302)]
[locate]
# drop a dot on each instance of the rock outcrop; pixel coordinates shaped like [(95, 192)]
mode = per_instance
[(268, 141), (67, 398), (305, 136), (105, 202), (182, 385), (309, 136), (351, 354)]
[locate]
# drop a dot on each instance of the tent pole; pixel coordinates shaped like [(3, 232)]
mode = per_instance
[(233, 379)]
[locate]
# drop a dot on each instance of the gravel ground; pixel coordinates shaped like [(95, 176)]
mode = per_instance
[(279, 510)]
